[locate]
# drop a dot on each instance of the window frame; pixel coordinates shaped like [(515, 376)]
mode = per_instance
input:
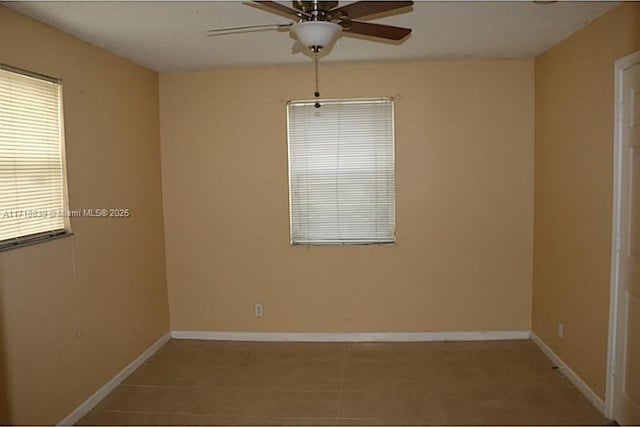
[(65, 231), (368, 242)]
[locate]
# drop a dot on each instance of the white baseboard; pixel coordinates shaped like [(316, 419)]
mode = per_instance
[(352, 336), (570, 374), (103, 391)]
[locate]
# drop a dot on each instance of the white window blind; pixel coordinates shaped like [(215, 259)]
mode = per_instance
[(32, 178), (341, 172)]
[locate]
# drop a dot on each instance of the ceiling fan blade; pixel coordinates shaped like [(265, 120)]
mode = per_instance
[(275, 7), (375, 30), (366, 8), (246, 29)]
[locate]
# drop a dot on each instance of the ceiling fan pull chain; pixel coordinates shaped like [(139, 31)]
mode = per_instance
[(317, 93)]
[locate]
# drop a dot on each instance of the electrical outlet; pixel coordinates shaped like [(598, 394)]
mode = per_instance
[(259, 310), (561, 330)]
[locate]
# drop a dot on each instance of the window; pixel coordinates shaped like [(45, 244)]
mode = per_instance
[(341, 172), (32, 174)]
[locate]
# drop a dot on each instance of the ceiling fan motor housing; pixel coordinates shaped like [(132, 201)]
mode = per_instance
[(311, 6)]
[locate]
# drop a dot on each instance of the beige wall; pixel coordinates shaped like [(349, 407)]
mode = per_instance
[(464, 160), (107, 283), (573, 189)]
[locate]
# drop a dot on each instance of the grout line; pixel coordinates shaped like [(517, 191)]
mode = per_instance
[(223, 387), (163, 385), (122, 411), (344, 367), (214, 414)]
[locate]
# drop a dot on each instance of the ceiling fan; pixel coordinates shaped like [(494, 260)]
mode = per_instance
[(317, 24)]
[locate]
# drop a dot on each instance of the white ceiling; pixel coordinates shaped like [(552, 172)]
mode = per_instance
[(171, 35)]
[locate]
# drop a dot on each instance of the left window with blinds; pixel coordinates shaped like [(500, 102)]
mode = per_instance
[(33, 190)]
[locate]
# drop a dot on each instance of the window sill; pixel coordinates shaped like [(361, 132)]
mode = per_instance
[(21, 242), (389, 243)]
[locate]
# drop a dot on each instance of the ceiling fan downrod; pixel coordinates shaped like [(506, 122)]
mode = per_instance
[(316, 93)]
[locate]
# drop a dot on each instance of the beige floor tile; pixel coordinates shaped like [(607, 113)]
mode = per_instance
[(161, 419), (303, 421), (232, 420), (106, 418), (206, 352), (389, 378), (179, 374), (239, 401), (305, 405), (134, 398), (182, 400), (294, 359), (190, 382), (365, 422), (377, 404), (255, 377), (123, 418), (180, 351), (311, 379)]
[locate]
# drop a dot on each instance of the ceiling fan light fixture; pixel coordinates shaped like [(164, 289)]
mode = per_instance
[(316, 34)]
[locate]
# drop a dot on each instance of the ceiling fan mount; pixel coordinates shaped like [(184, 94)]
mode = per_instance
[(309, 6)]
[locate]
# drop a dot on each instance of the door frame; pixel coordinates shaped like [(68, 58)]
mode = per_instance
[(620, 67)]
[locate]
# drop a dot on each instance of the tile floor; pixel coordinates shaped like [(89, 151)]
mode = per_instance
[(240, 383)]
